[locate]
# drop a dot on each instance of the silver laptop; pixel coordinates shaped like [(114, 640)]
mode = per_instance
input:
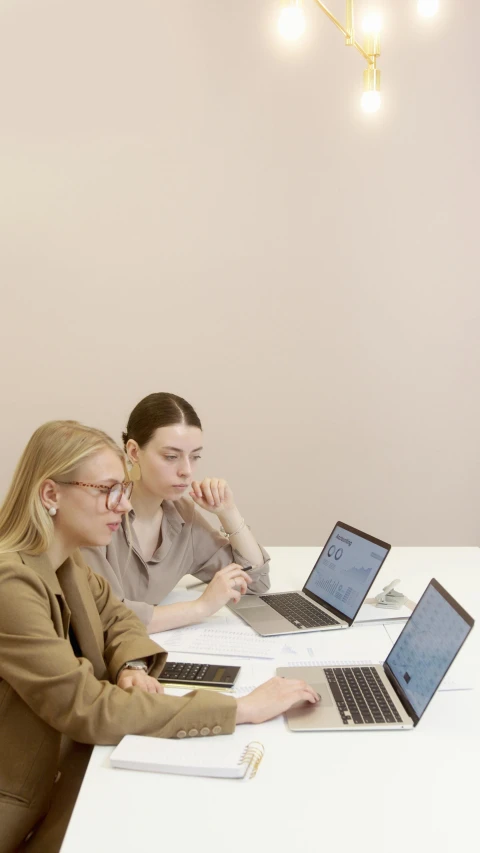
[(393, 695), (333, 593)]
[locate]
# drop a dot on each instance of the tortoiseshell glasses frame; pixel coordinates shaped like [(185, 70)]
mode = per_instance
[(114, 494)]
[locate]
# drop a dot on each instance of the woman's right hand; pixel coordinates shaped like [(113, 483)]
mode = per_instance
[(228, 584), (273, 698)]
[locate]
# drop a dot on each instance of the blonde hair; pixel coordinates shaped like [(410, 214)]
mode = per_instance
[(55, 450)]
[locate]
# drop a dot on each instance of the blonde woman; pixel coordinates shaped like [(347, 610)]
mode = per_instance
[(167, 537), (74, 661)]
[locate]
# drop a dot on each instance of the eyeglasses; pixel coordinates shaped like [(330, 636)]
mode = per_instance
[(114, 493)]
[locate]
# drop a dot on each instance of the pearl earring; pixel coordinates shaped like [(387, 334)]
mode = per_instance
[(52, 511)]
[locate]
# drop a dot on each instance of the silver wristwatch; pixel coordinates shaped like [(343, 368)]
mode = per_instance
[(133, 664)]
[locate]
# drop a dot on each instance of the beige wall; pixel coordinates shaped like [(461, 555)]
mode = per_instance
[(187, 205)]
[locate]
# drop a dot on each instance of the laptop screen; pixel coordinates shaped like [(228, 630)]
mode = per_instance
[(427, 646), (345, 570)]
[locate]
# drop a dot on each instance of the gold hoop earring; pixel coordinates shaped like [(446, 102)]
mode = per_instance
[(135, 473)]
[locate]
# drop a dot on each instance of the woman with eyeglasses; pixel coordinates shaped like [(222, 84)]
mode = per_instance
[(74, 661), (165, 536)]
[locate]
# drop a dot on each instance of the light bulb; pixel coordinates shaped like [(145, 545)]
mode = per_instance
[(291, 22), (371, 101), (372, 23), (427, 8)]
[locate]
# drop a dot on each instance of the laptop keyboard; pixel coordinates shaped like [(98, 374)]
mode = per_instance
[(298, 611), (361, 696)]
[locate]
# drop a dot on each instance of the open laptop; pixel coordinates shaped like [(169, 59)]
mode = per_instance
[(333, 593), (393, 695)]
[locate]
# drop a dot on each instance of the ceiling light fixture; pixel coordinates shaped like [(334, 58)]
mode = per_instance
[(427, 8), (291, 25), (291, 21)]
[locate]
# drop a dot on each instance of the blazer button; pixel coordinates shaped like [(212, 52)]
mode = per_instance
[(193, 733), (205, 731), (182, 733), (216, 730)]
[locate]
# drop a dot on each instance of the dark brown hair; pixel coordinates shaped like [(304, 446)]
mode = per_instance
[(155, 411)]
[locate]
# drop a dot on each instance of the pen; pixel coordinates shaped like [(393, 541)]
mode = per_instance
[(204, 583), (184, 686)]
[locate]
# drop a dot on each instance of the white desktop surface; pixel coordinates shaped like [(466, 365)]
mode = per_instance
[(357, 791)]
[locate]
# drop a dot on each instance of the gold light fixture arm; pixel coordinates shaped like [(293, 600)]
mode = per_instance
[(348, 31), (350, 28)]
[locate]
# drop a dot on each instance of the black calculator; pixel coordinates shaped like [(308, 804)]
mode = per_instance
[(201, 674)]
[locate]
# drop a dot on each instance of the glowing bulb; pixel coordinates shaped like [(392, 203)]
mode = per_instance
[(427, 8), (371, 101), (291, 22), (372, 23)]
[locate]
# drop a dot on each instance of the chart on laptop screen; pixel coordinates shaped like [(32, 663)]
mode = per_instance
[(345, 570)]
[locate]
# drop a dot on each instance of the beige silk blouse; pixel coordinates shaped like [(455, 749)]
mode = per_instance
[(188, 545)]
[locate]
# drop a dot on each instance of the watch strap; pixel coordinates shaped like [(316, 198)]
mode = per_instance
[(133, 664)]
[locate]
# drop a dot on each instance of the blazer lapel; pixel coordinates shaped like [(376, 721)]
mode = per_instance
[(85, 618), (42, 566)]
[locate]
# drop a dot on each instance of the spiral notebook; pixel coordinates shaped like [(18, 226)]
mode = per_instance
[(207, 756)]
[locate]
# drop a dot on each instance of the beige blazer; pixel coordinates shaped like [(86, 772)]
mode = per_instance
[(189, 545), (45, 691)]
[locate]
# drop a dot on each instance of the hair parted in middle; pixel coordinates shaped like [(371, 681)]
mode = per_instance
[(156, 411)]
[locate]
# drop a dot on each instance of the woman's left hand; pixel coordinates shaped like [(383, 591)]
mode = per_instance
[(213, 494), (140, 679)]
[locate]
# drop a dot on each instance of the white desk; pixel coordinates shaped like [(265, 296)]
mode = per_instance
[(377, 791)]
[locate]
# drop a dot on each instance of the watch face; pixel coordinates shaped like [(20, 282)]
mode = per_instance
[(136, 664)]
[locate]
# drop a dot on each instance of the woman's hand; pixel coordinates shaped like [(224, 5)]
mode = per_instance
[(214, 495), (273, 698), (139, 678), (228, 584)]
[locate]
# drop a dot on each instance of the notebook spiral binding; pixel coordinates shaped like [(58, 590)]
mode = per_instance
[(252, 756)]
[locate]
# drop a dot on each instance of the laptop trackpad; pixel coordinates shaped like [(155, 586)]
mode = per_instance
[(315, 677), (267, 616), (247, 602), (308, 715)]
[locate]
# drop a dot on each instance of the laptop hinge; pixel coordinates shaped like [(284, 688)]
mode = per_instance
[(401, 695)]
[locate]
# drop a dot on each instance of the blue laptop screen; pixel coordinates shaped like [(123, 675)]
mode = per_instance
[(345, 570), (426, 648)]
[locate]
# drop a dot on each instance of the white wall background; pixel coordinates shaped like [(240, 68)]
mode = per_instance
[(189, 205)]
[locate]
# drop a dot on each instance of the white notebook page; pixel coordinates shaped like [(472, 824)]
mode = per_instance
[(199, 756)]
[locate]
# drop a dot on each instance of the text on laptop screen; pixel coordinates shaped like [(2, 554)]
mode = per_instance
[(345, 570), (426, 648)]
